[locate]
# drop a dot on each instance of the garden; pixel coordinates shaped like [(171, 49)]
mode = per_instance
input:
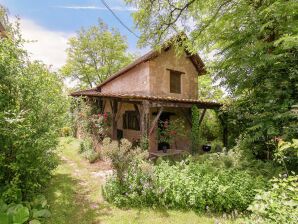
[(58, 164)]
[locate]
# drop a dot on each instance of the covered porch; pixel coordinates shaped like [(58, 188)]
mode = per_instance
[(149, 110)]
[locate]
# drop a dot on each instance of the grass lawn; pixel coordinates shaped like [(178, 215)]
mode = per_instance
[(74, 195)]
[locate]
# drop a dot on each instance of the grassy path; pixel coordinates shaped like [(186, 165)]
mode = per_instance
[(74, 195)]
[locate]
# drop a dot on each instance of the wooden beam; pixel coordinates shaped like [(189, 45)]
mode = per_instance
[(114, 106), (170, 104), (144, 117), (202, 116), (182, 104), (138, 112), (103, 105), (154, 122), (118, 112)]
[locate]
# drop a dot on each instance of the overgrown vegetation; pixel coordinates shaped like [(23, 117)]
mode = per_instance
[(277, 205), (217, 184), (32, 108), (122, 156), (87, 150), (33, 212)]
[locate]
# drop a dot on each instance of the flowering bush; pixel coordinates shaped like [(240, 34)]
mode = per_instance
[(168, 131), (100, 123)]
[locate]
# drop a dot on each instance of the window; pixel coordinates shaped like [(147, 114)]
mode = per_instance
[(175, 81), (130, 120)]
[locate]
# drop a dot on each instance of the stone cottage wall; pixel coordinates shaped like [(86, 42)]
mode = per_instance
[(160, 75)]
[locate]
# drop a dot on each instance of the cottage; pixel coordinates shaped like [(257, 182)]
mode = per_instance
[(156, 88)]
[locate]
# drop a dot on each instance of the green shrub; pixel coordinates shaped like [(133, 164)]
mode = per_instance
[(278, 205), (122, 156), (32, 111), (86, 145), (286, 154), (93, 157), (236, 159), (87, 150), (34, 212), (185, 185)]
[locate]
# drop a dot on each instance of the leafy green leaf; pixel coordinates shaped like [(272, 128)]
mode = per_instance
[(21, 214)]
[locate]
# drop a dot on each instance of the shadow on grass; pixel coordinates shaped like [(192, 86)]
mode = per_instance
[(69, 205)]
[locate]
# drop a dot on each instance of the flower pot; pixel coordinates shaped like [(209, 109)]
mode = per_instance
[(206, 148)]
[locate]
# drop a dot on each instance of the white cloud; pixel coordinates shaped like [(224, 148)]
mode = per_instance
[(48, 46), (115, 8)]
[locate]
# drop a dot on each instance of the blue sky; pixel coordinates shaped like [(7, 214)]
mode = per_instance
[(52, 22)]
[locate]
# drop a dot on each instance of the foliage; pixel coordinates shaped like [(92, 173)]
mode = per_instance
[(72, 202), (66, 131), (122, 156), (169, 131), (207, 90), (81, 111), (95, 54), (237, 159), (287, 154), (277, 205), (254, 55), (32, 212), (144, 143), (101, 122), (87, 150), (210, 128), (185, 185), (88, 119), (32, 108), (195, 129), (86, 145)]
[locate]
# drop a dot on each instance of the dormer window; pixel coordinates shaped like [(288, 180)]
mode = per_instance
[(175, 81)]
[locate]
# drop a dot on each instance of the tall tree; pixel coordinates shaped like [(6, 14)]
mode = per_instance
[(94, 54), (254, 43)]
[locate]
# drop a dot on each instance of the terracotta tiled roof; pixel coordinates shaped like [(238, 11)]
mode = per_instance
[(95, 93)]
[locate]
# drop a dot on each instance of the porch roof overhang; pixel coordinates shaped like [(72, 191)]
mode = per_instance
[(155, 101)]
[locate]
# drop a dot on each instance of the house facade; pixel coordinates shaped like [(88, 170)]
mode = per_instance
[(159, 87)]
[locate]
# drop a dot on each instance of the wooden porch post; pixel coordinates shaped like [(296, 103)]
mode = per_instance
[(144, 118), (114, 106), (154, 122)]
